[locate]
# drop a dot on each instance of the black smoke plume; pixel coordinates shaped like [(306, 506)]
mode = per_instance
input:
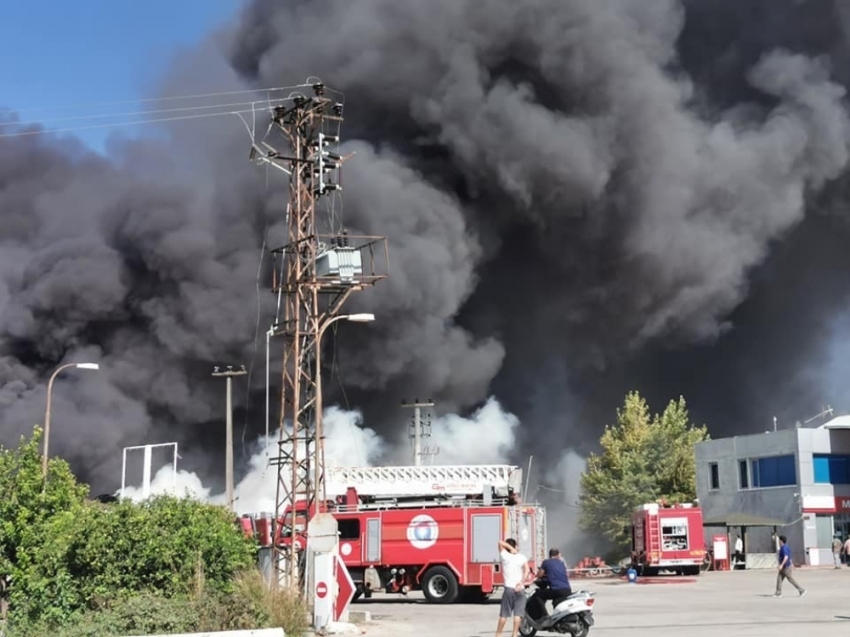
[(580, 197)]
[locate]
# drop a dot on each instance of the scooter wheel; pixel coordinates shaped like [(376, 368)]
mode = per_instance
[(526, 629)]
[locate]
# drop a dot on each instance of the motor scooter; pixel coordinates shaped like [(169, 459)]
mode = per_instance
[(571, 615)]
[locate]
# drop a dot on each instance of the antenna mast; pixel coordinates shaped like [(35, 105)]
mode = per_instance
[(313, 275), (826, 411)]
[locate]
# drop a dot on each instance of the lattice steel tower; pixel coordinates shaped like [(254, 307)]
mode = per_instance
[(316, 270)]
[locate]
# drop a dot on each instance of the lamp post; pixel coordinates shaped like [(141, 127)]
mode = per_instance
[(93, 366), (320, 448)]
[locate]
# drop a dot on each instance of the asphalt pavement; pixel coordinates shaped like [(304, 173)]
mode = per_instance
[(732, 604)]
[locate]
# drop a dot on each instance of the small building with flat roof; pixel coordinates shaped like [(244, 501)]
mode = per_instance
[(792, 482)]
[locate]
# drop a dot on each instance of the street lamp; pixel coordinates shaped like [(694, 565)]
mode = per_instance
[(320, 461), (93, 366)]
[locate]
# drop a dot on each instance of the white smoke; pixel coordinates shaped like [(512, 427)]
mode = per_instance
[(347, 443), (487, 436)]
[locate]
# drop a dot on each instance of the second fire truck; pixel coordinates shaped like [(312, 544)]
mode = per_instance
[(429, 528), (667, 538)]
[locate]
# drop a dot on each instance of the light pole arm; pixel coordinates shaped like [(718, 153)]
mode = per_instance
[(318, 492), (47, 417), (327, 324)]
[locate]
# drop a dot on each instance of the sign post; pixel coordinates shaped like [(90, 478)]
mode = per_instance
[(721, 552), (322, 553), (323, 601)]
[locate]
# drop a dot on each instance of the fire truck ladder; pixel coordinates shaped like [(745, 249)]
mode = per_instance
[(425, 481), (542, 540), (654, 534)]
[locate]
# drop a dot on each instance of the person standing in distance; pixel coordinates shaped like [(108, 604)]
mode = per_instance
[(785, 567), (837, 548), (739, 551), (515, 572)]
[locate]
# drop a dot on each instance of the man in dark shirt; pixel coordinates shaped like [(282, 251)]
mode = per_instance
[(785, 566), (554, 571)]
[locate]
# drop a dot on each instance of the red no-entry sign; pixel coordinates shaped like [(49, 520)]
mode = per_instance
[(321, 590)]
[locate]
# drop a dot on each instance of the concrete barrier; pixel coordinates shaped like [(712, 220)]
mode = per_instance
[(260, 632), (360, 616)]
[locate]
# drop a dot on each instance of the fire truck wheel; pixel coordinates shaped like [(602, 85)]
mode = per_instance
[(439, 585)]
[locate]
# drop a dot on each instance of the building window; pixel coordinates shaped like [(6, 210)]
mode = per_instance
[(714, 476), (772, 471), (743, 475), (831, 469)]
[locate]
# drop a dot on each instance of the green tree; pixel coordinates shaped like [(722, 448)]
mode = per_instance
[(644, 458)]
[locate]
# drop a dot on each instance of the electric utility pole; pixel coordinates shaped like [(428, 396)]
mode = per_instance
[(314, 273), (417, 434), (228, 454)]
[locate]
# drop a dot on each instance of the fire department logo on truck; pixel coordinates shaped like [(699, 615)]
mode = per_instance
[(422, 532)]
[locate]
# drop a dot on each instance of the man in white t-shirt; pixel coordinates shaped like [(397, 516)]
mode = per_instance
[(738, 558), (515, 573)]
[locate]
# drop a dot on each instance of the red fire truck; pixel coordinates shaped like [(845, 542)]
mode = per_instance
[(667, 538), (434, 528)]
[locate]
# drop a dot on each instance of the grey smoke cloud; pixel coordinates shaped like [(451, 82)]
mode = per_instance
[(560, 188), (597, 176)]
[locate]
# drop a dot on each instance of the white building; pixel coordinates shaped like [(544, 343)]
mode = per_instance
[(799, 477)]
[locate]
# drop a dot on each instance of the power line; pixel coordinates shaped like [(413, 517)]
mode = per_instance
[(95, 126), (267, 106), (135, 113), (150, 100)]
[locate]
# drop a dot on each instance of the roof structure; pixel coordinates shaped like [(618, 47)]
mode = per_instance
[(743, 519), (839, 422)]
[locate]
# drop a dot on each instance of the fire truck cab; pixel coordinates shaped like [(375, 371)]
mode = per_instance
[(434, 528), (667, 538)]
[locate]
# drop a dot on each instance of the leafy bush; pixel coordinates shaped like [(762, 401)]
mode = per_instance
[(250, 605), (144, 614), (67, 556), (28, 507), (104, 552), (156, 546)]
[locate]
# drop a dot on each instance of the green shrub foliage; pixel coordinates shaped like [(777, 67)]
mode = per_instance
[(67, 556)]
